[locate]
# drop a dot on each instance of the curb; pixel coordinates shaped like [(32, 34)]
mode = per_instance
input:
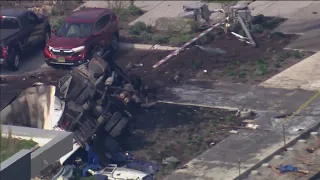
[(43, 68), (268, 158), (126, 46)]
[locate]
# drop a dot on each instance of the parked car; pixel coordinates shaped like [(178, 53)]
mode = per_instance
[(73, 43), (21, 30)]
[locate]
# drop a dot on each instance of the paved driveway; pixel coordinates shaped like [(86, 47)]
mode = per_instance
[(31, 62)]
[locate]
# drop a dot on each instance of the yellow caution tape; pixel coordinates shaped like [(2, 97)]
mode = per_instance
[(304, 105)]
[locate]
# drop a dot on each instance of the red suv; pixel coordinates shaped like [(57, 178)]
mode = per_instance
[(74, 41)]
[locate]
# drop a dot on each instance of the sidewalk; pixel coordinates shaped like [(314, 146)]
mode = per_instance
[(303, 75), (144, 5)]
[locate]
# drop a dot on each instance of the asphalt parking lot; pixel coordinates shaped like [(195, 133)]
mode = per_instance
[(32, 61)]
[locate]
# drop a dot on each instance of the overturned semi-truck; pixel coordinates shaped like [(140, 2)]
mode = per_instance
[(94, 100)]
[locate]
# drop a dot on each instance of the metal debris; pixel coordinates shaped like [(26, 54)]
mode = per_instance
[(233, 132), (171, 160), (210, 50)]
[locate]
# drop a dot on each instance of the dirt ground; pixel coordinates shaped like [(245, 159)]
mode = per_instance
[(238, 63), (13, 86), (180, 131)]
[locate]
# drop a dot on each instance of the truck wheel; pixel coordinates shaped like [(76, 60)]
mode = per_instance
[(115, 42), (136, 82), (74, 92), (15, 61), (46, 36), (97, 111), (116, 131), (115, 118), (84, 96), (87, 106)]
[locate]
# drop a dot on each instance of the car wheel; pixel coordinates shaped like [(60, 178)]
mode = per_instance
[(116, 131), (115, 43), (15, 61)]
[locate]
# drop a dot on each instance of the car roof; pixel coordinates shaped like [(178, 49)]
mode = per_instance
[(88, 14), (15, 12)]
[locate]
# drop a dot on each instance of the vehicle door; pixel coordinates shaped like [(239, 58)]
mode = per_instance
[(102, 32), (36, 29)]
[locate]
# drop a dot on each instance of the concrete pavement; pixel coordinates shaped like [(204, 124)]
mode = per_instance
[(303, 18), (303, 75), (252, 147), (143, 5), (283, 9)]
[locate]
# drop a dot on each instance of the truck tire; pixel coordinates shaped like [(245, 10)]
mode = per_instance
[(87, 106), (115, 42), (97, 111), (115, 118), (116, 131), (14, 60), (84, 96), (75, 90), (46, 36), (136, 82)]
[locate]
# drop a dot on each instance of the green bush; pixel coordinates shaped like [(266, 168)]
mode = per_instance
[(271, 23), (160, 39), (297, 54), (134, 10), (275, 35), (138, 28), (122, 13), (195, 26), (257, 28), (146, 36), (57, 24), (182, 38)]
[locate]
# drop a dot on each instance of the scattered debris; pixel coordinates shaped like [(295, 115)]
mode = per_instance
[(171, 160), (38, 84), (298, 129), (233, 132), (312, 149), (250, 124), (291, 168), (65, 172), (244, 113), (210, 50)]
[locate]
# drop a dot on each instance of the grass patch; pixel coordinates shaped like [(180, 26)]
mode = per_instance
[(140, 27), (10, 146), (262, 67), (182, 38), (124, 13)]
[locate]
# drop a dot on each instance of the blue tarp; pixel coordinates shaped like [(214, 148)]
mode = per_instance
[(93, 162), (288, 168)]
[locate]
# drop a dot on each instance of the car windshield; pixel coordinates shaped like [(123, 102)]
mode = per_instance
[(71, 29), (9, 23)]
